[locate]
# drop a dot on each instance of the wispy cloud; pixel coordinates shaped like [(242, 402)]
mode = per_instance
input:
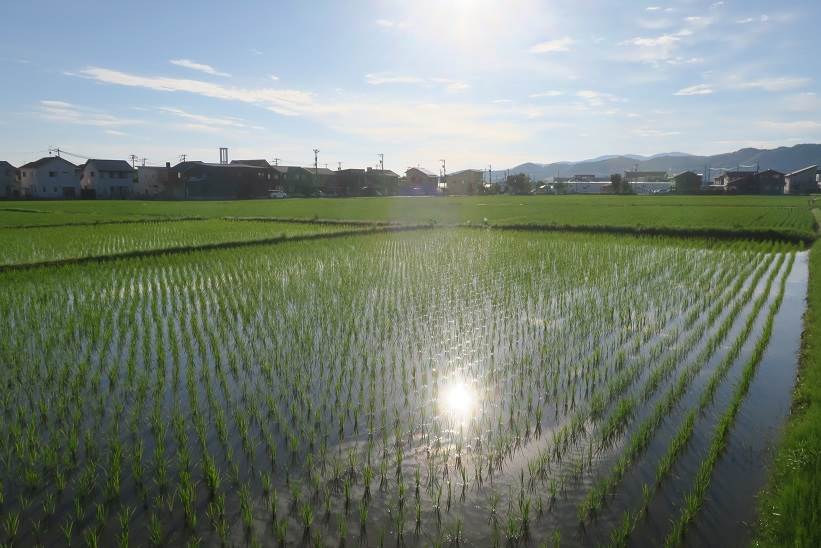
[(698, 89), (201, 67), (61, 111), (388, 78), (381, 78), (552, 46), (287, 102), (776, 83), (791, 126), (548, 93), (216, 121)]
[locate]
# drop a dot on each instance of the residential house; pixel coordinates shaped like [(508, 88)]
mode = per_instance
[(50, 177), (419, 181), (207, 181), (750, 182), (467, 181), (803, 181), (645, 176), (9, 181), (687, 182), (300, 181), (108, 179), (365, 182), (158, 182)]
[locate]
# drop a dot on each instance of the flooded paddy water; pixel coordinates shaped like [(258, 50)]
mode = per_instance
[(448, 386)]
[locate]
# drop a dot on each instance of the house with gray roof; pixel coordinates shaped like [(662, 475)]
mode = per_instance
[(9, 181), (50, 177), (107, 179)]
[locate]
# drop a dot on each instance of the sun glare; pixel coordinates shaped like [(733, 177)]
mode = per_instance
[(459, 400)]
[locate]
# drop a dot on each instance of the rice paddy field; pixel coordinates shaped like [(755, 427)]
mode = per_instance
[(431, 387), (784, 215), (48, 244)]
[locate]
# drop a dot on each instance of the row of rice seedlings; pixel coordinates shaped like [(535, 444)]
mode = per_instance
[(622, 380), (682, 436), (643, 434), (53, 243), (693, 500)]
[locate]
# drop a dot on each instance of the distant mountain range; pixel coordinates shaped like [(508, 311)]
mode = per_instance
[(784, 159)]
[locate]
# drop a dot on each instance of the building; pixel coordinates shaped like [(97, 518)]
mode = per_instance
[(583, 178), (50, 177), (207, 181), (365, 182), (419, 181), (803, 181), (645, 176), (467, 181), (687, 182), (750, 182), (158, 182), (9, 181), (108, 179)]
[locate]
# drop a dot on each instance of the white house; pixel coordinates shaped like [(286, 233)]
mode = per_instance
[(107, 178), (50, 177), (9, 181), (802, 181)]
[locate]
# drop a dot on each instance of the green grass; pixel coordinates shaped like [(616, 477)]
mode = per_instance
[(790, 508), (789, 215)]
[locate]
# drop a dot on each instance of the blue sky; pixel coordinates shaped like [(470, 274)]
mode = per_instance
[(472, 81)]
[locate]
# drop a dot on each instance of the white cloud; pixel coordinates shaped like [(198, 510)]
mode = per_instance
[(698, 89), (61, 111), (548, 93), (282, 101), (792, 126), (115, 133), (597, 98), (274, 77), (201, 67), (393, 121), (553, 46), (652, 132), (383, 78), (779, 83), (204, 119)]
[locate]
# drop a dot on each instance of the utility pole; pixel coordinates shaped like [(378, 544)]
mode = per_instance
[(489, 174), (142, 161), (443, 182), (339, 166), (316, 166), (133, 158), (55, 150), (182, 158), (381, 161), (276, 162)]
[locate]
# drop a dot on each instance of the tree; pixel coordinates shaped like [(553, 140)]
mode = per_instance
[(619, 186), (519, 184)]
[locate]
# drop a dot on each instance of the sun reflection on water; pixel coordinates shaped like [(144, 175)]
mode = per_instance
[(459, 400)]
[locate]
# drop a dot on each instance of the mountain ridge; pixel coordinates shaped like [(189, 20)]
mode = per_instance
[(784, 159)]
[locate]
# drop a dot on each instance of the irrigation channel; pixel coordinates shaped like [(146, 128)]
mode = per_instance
[(418, 388)]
